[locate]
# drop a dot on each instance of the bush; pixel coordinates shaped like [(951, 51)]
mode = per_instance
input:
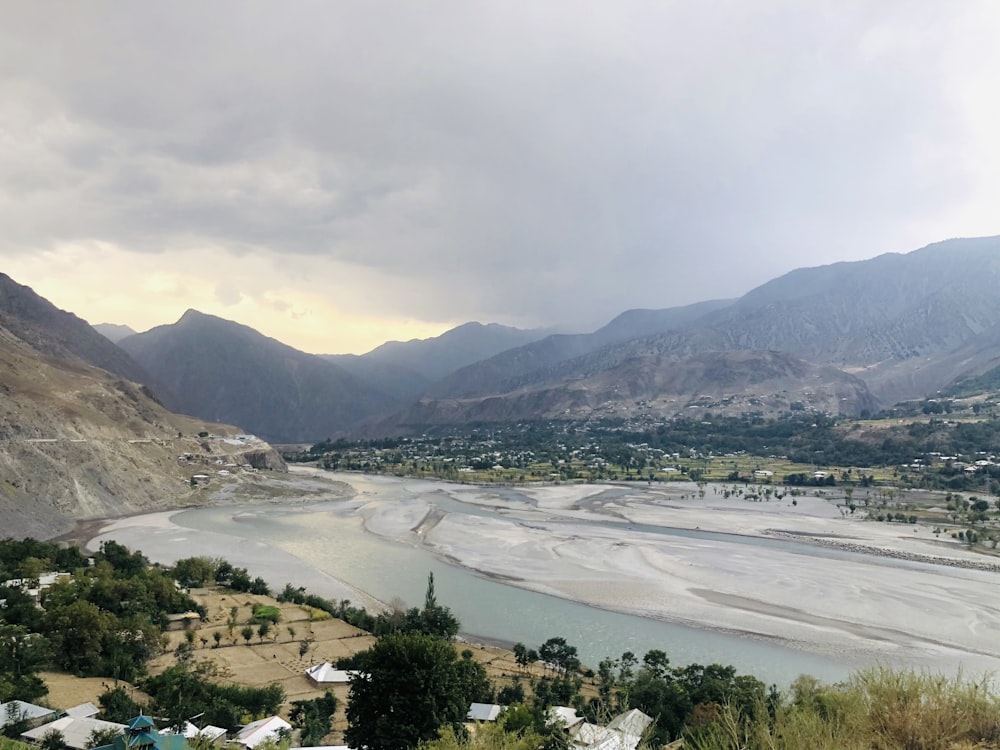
[(267, 613)]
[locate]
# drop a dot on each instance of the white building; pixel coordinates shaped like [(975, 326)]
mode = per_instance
[(257, 731), (325, 674)]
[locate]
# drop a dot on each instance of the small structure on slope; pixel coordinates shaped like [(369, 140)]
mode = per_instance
[(257, 731)]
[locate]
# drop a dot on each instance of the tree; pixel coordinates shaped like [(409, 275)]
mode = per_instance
[(247, 633), (521, 655), (513, 693), (239, 579), (409, 687), (313, 718), (118, 706), (22, 655), (101, 737), (53, 740), (556, 652), (476, 683), (194, 571), (435, 619), (77, 632)]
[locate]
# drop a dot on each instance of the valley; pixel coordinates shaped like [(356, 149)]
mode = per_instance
[(732, 468)]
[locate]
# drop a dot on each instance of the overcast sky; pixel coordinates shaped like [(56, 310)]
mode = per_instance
[(336, 174)]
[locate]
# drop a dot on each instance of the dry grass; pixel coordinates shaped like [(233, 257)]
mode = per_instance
[(66, 690), (880, 709)]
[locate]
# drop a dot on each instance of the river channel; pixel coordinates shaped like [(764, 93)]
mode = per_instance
[(323, 537), (609, 568)]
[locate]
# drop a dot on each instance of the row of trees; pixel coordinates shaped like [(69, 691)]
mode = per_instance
[(432, 619)]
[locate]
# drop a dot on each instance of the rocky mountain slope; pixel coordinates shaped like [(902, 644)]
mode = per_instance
[(516, 367), (227, 372), (720, 383), (863, 334), (904, 325), (439, 356), (57, 333), (78, 442), (403, 369)]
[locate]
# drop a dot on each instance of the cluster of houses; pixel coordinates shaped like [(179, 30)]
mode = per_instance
[(78, 726), (33, 587), (624, 732)]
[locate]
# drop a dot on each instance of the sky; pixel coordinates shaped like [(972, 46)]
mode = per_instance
[(338, 174)]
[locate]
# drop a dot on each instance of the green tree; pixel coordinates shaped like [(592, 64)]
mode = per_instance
[(77, 632), (304, 645), (101, 737), (521, 655), (409, 687), (194, 571), (247, 633), (656, 693), (435, 619), (476, 683), (558, 653), (313, 718), (118, 706), (53, 740), (22, 656)]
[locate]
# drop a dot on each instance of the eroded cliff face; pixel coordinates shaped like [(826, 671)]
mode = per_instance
[(78, 443)]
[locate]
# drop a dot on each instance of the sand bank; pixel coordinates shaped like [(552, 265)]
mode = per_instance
[(617, 548)]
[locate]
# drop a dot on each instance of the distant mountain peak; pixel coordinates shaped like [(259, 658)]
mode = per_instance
[(114, 332), (226, 371), (438, 356), (191, 315)]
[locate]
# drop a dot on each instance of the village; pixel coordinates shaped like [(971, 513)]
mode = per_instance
[(296, 650)]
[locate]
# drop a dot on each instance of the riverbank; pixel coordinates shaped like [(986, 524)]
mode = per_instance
[(667, 553)]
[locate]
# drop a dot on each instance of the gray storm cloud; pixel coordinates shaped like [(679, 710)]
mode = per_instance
[(553, 162)]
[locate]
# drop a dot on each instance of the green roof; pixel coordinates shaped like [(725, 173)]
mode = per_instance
[(142, 734)]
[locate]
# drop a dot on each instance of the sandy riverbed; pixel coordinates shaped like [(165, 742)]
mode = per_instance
[(574, 542)]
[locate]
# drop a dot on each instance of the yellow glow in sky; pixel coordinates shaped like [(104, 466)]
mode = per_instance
[(102, 283)]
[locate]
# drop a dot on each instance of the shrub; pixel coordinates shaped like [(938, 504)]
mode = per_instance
[(267, 613)]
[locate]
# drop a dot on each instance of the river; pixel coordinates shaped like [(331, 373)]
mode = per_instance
[(380, 542)]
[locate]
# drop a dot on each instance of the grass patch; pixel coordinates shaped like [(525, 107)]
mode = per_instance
[(266, 613), (316, 614), (878, 709)]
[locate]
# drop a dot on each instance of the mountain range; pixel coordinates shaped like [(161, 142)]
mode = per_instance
[(843, 339)]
